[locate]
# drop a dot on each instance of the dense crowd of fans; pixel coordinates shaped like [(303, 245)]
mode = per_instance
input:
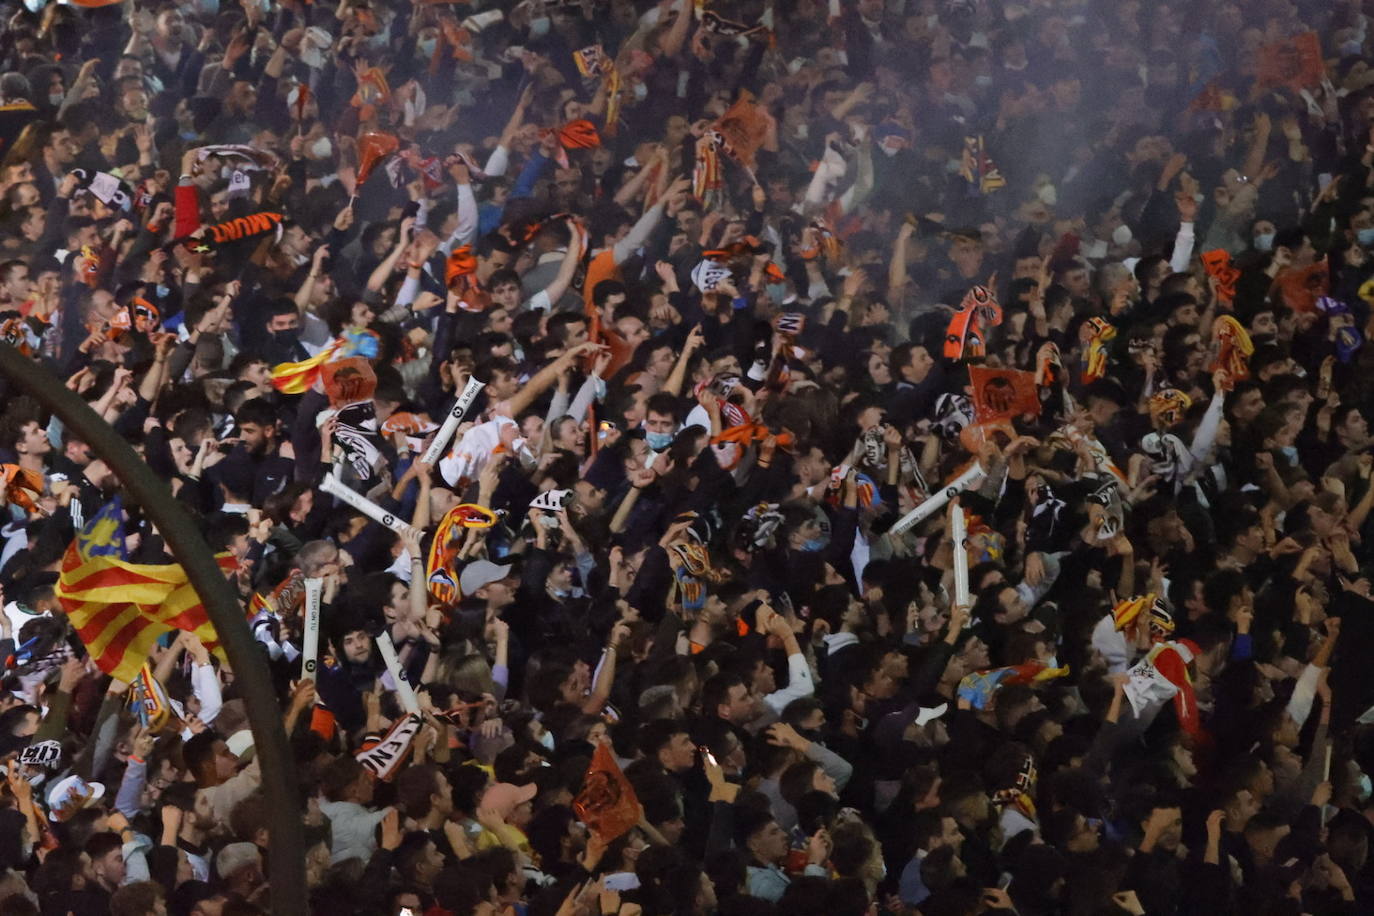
[(742, 282)]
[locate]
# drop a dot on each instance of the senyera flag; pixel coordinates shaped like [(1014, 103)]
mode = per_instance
[(120, 609)]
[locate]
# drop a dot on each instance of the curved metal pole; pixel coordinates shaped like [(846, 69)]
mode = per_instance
[(286, 851)]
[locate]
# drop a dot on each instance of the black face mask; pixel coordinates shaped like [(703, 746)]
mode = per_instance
[(285, 341)]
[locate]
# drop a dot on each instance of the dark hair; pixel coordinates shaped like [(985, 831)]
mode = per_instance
[(137, 899), (414, 788), (199, 751), (655, 735), (716, 690), (546, 831), (258, 412)]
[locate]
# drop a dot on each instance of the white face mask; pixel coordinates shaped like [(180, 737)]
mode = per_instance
[(1048, 195), (641, 91), (321, 148), (1122, 234)]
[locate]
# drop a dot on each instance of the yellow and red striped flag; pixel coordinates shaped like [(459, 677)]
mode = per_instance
[(120, 609)]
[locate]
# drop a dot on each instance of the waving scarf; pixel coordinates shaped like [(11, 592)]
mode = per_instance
[(149, 701), (1099, 333), (1218, 266), (19, 483), (1019, 795), (977, 312), (1168, 406), (578, 134), (373, 92), (1128, 611), (460, 275), (19, 334), (1113, 512), (592, 61), (1231, 351), (246, 158), (691, 565), (443, 551), (707, 182), (976, 167), (234, 230), (719, 25), (140, 315)]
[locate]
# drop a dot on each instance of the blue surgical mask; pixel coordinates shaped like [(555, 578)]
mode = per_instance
[(539, 26), (1290, 454), (426, 47), (813, 545), (1264, 241), (1366, 788), (163, 291), (777, 292), (658, 441), (1366, 236)]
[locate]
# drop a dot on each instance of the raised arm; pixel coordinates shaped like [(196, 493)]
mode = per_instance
[(384, 270), (696, 338), (546, 298), (545, 377), (605, 673)]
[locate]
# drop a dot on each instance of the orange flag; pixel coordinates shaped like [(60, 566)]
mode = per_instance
[(348, 381), (1000, 394), (607, 802), (1301, 287), (373, 147), (744, 128), (1296, 63)]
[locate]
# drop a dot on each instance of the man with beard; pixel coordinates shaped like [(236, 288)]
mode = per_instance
[(256, 421)]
